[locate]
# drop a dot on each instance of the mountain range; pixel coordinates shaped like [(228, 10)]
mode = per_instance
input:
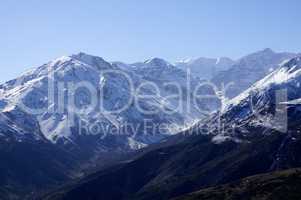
[(48, 129), (204, 159)]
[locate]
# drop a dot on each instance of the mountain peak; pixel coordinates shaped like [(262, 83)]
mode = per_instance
[(60, 60), (81, 55), (87, 58), (268, 50), (80, 59), (157, 62), (94, 61)]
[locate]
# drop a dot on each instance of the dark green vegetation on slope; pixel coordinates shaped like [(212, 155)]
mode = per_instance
[(281, 185)]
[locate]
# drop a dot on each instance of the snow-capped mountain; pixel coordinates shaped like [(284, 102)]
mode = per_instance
[(250, 69), (253, 142), (272, 103), (205, 68), (83, 96), (49, 107), (72, 97), (228, 77), (157, 70), (171, 80)]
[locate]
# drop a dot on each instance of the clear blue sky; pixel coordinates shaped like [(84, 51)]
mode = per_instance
[(34, 31)]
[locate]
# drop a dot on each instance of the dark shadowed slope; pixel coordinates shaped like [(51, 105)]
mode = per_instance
[(282, 185)]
